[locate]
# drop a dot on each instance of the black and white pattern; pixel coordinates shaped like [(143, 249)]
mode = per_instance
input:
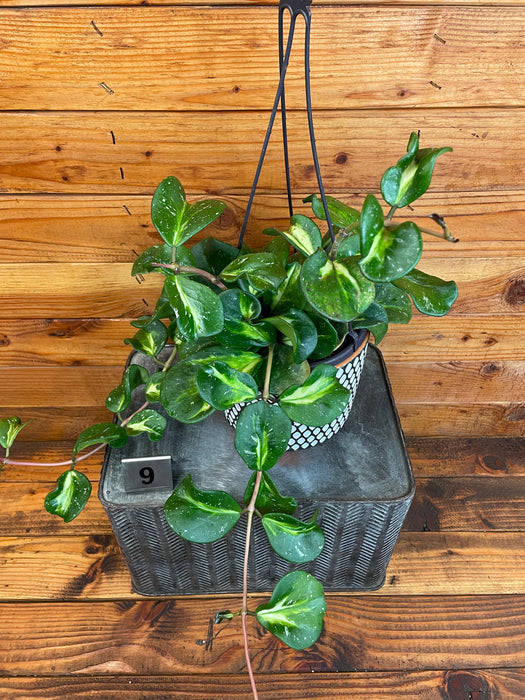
[(306, 436)]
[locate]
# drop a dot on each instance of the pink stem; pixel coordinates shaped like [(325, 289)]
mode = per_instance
[(244, 611), (69, 462)]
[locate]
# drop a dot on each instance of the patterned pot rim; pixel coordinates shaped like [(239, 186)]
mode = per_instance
[(345, 355)]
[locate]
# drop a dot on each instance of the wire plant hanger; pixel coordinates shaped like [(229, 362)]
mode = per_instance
[(296, 8)]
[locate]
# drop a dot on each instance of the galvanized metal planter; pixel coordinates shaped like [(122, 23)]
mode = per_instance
[(360, 482)]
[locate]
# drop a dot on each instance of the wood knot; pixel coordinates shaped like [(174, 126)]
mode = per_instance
[(467, 685), (490, 369), (308, 172), (514, 292), (492, 463), (227, 219), (515, 414), (341, 158), (4, 341)]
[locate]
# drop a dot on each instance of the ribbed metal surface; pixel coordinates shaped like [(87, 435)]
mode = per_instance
[(360, 482)]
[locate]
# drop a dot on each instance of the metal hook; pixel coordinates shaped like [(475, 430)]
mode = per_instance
[(295, 8)]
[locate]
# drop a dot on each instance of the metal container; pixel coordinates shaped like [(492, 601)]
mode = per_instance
[(360, 482)]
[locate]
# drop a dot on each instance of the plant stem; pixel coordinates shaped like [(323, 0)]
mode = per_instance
[(66, 463), (390, 215), (266, 387), (340, 237), (186, 269), (244, 611), (70, 462)]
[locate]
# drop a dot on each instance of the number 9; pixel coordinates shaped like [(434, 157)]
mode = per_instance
[(147, 475)]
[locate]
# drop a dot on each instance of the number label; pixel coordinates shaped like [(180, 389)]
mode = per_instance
[(147, 474)]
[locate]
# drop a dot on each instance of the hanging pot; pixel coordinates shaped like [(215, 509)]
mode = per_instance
[(349, 361)]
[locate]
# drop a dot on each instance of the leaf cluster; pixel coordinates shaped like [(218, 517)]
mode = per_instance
[(254, 327)]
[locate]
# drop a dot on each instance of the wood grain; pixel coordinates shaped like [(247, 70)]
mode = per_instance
[(489, 286), (474, 420), (355, 148), (431, 685), (100, 342), (417, 420), (455, 382), (348, 3), (147, 58), (117, 228), (474, 504), (467, 504), (362, 633), (467, 456)]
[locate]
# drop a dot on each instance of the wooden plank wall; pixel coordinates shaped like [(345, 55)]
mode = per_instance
[(100, 103), (101, 100)]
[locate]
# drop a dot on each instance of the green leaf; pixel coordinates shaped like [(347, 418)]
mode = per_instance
[(222, 387), (327, 337), (262, 435), (292, 539), (410, 178), (101, 433), (239, 305), (239, 309), (318, 401), (395, 302), (394, 252), (261, 270), (174, 218), (349, 247), (336, 289), (341, 214), (241, 334), (149, 340), (431, 295), (152, 390), (119, 399), (213, 255), (156, 254), (388, 253), (375, 319), (372, 222), (70, 496), (242, 360), (167, 209), (9, 429), (285, 371), (161, 254), (187, 348), (290, 293), (200, 516), (279, 247), (199, 215), (162, 310), (296, 610), (180, 396), (147, 421), (199, 309), (299, 331), (269, 500), (303, 234)]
